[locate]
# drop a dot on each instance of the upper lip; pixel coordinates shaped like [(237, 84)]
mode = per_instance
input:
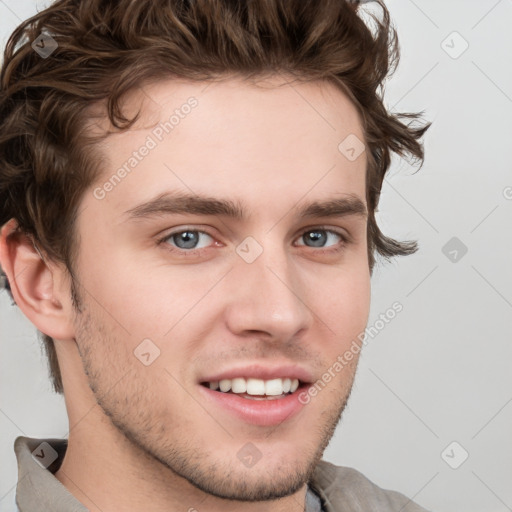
[(264, 372)]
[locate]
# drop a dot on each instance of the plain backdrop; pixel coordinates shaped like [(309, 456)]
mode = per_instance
[(430, 414)]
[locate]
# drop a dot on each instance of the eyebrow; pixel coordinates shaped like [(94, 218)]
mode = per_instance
[(181, 203)]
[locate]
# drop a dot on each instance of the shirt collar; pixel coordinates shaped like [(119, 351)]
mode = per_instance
[(38, 488)]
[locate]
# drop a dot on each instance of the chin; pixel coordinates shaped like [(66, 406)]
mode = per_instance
[(253, 485)]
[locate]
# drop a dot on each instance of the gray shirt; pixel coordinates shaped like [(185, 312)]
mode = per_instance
[(331, 489)]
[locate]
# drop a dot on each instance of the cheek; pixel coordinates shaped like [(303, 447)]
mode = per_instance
[(143, 298), (343, 307), (344, 303)]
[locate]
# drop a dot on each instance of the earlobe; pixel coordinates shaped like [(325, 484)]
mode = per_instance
[(31, 280)]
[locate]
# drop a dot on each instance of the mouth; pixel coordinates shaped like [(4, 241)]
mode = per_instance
[(262, 402), (256, 389)]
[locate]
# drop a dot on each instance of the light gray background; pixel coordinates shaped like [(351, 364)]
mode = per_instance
[(439, 372)]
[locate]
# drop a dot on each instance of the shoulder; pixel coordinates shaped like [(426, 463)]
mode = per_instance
[(343, 488)]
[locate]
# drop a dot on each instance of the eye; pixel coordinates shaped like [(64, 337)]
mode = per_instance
[(320, 237), (188, 239), (192, 241)]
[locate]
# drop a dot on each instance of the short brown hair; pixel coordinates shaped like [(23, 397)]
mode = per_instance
[(106, 49)]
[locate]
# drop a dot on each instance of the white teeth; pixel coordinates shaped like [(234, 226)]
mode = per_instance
[(238, 385), (256, 387), (274, 387), (225, 385)]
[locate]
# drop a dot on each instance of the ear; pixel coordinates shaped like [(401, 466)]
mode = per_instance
[(38, 287)]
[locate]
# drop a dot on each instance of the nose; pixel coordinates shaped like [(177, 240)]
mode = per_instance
[(267, 298)]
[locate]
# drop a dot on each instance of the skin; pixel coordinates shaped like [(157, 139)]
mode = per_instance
[(143, 437)]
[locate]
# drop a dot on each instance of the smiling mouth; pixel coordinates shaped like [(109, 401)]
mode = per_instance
[(256, 389)]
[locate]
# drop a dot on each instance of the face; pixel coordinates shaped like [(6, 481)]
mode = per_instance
[(230, 252)]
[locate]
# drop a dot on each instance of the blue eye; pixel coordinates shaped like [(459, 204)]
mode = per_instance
[(188, 239), (192, 241), (320, 237)]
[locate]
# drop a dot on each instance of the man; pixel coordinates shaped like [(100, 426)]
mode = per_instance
[(187, 201)]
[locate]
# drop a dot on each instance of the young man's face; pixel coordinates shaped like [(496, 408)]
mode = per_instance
[(266, 294)]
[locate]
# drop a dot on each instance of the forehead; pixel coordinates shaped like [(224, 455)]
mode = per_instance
[(234, 137)]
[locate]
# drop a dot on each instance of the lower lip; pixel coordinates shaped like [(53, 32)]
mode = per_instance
[(258, 412)]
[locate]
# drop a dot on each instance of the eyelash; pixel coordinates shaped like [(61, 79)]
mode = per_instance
[(345, 240)]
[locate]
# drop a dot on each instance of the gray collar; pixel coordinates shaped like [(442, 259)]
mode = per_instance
[(313, 503), (38, 488)]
